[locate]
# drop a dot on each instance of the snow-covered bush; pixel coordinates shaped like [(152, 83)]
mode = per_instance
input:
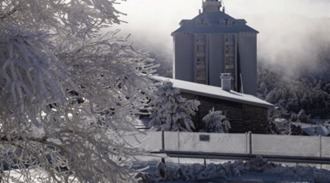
[(171, 111), (303, 117), (327, 124), (238, 171), (67, 93), (216, 121), (281, 126)]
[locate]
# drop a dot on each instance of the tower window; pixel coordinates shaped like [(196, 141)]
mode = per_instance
[(226, 21)]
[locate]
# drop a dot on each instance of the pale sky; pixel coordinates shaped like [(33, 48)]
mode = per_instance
[(285, 26)]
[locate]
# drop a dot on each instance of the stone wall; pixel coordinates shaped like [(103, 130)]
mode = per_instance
[(243, 117)]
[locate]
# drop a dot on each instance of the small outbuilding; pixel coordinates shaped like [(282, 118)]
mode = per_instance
[(245, 112)]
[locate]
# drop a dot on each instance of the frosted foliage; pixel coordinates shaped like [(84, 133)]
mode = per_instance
[(67, 93), (216, 121), (79, 17), (282, 126), (171, 111), (27, 65)]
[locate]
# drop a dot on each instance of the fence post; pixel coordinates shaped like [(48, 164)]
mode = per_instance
[(250, 142), (320, 137), (246, 149), (320, 150), (178, 146), (178, 141), (247, 143), (163, 141)]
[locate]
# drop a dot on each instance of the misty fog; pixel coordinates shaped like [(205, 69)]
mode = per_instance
[(293, 33)]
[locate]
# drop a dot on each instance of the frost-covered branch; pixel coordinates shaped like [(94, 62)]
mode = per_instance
[(78, 17), (67, 94)]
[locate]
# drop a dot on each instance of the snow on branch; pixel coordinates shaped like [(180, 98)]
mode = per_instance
[(31, 76), (68, 94), (79, 17)]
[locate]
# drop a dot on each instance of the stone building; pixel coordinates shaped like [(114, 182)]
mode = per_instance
[(213, 43), (245, 112)]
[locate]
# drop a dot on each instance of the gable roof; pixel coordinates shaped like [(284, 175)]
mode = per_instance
[(214, 23), (214, 92)]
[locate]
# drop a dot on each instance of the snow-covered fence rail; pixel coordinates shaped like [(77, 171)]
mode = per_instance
[(150, 141), (278, 147), (281, 145), (296, 148), (202, 142), (325, 147)]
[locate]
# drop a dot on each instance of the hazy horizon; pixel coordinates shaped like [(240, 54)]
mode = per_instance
[(291, 31)]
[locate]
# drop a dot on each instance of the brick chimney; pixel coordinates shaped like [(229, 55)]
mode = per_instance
[(226, 81)]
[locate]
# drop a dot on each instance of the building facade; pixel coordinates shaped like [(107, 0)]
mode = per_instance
[(242, 117), (246, 113), (213, 43)]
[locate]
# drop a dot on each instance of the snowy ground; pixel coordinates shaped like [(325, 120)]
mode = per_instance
[(194, 171), (258, 170)]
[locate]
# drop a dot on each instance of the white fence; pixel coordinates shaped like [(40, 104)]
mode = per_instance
[(192, 142), (150, 141), (252, 144), (299, 146)]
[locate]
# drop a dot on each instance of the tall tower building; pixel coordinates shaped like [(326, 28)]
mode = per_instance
[(213, 43)]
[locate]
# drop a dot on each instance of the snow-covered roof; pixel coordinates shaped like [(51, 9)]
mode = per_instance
[(213, 24), (215, 92)]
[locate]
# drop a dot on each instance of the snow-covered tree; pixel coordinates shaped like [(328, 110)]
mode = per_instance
[(171, 111), (67, 93), (216, 121), (281, 126), (295, 91), (302, 116)]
